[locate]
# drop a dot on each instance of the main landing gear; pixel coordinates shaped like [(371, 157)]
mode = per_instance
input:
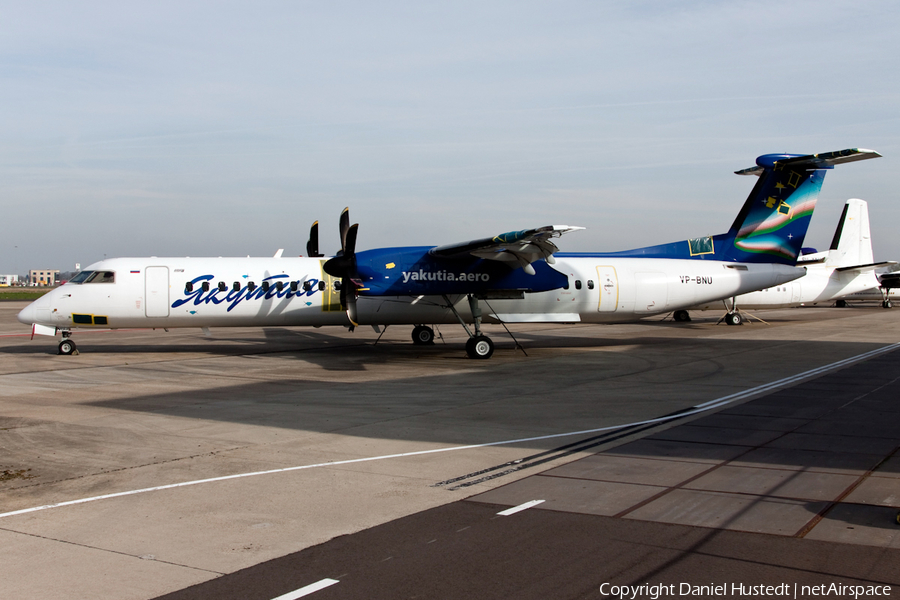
[(67, 346), (422, 335), (885, 300), (478, 345), (681, 316)]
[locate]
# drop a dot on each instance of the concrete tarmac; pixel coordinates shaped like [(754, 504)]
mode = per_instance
[(153, 462)]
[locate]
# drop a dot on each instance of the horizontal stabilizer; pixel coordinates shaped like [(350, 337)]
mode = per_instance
[(825, 160), (868, 267)]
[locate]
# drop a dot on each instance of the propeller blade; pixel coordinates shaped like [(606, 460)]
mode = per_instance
[(348, 299), (350, 242), (312, 245), (344, 226), (351, 308)]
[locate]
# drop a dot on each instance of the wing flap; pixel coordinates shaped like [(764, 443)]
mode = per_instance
[(517, 248)]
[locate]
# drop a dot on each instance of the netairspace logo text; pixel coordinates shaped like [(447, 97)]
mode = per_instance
[(784, 590)]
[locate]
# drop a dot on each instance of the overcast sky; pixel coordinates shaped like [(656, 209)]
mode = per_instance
[(216, 128)]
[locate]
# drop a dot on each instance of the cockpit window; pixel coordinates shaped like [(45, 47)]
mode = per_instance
[(81, 276), (101, 277)]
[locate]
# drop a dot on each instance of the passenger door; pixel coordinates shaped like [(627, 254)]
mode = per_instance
[(609, 289), (156, 291)]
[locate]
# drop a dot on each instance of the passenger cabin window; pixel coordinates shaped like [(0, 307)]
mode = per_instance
[(321, 286), (236, 286), (279, 285), (336, 285), (101, 277), (590, 284), (188, 287), (222, 286), (294, 286), (566, 286), (265, 286), (577, 284), (251, 286), (205, 286), (307, 286)]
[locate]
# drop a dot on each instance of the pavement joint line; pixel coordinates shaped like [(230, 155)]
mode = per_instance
[(700, 408), (307, 590), (98, 549), (818, 518)]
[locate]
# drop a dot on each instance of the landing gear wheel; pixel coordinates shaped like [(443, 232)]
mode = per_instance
[(886, 304), (841, 304), (479, 347), (422, 335), (734, 318), (66, 347), (681, 316)]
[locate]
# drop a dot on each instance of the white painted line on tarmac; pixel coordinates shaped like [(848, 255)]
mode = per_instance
[(520, 508), (307, 590), (700, 408)]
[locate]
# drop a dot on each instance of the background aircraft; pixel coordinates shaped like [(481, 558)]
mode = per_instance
[(518, 276), (887, 291), (846, 268)]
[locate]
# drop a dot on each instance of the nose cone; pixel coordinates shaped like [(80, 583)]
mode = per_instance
[(28, 314)]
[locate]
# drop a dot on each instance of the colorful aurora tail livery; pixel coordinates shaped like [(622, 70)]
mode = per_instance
[(775, 217)]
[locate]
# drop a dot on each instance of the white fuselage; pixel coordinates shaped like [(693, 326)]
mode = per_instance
[(821, 284), (153, 292)]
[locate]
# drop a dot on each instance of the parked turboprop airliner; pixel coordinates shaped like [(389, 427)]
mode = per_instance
[(847, 268), (517, 277)]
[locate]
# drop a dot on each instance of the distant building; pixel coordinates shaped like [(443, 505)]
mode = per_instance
[(43, 277), (7, 280)]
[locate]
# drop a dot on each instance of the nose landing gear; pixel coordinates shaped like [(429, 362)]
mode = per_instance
[(67, 346)]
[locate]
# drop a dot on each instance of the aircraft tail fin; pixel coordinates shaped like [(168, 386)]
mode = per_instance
[(775, 217), (852, 242)]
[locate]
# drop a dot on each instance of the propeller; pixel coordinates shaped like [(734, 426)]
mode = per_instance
[(343, 265), (312, 245)]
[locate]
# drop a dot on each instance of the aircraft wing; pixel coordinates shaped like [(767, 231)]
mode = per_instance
[(519, 248)]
